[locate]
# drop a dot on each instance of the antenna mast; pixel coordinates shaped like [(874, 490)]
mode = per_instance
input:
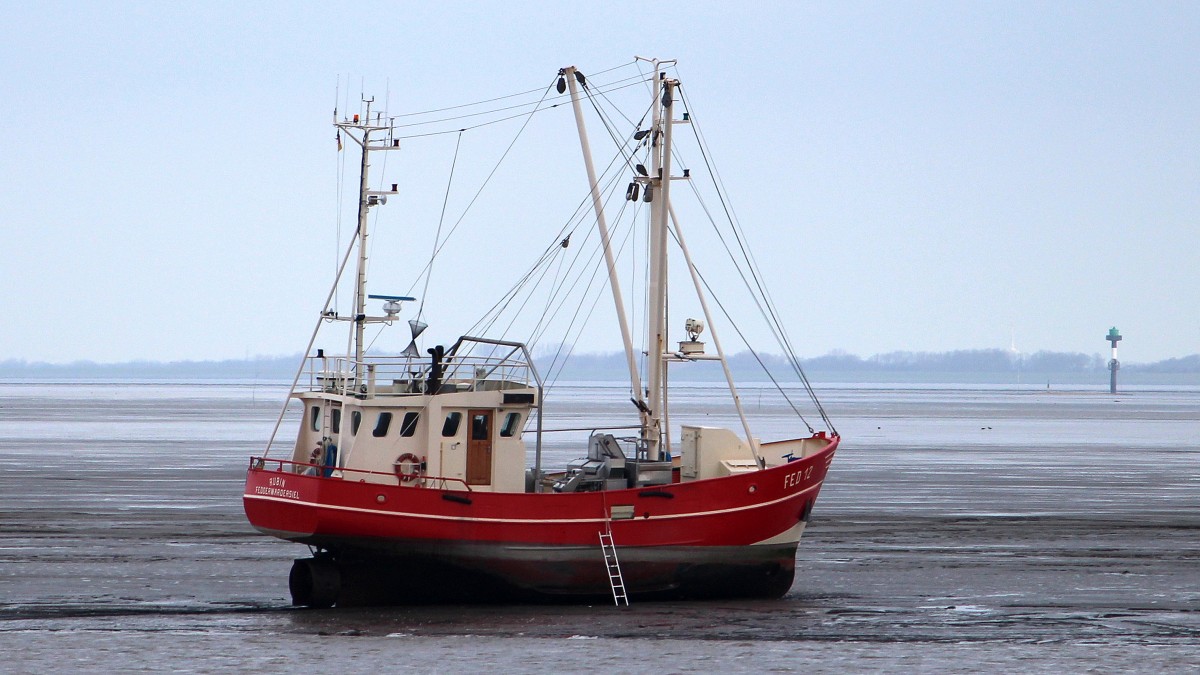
[(360, 131)]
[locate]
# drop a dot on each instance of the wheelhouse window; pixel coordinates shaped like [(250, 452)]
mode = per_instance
[(512, 422), (315, 418), (382, 424), (335, 420), (355, 421), (409, 426), (450, 428)]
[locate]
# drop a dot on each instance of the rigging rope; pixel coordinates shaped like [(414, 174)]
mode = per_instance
[(499, 98), (565, 275), (438, 235), (495, 121), (478, 192), (771, 313), (754, 353), (560, 97)]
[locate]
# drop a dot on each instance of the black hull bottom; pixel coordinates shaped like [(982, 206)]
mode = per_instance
[(352, 578)]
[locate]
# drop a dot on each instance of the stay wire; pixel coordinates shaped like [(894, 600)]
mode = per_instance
[(610, 127), (612, 178), (771, 324), (739, 232), (561, 358), (500, 98), (770, 311), (552, 251), (552, 295), (517, 106), (558, 364), (754, 353), (735, 224), (581, 215), (577, 220), (441, 220), (437, 251), (543, 325), (495, 121), (560, 293)]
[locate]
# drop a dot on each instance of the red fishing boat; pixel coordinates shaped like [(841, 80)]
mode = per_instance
[(409, 479)]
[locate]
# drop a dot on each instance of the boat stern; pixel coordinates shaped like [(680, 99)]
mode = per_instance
[(278, 502)]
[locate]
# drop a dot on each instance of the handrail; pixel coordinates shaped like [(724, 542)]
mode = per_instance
[(593, 429), (259, 464), (342, 375)]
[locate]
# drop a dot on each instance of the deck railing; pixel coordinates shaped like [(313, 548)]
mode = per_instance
[(472, 364), (342, 473)]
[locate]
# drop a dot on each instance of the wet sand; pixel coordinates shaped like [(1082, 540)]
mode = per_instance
[(958, 530)]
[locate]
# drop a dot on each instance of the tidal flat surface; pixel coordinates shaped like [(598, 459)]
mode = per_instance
[(959, 530)]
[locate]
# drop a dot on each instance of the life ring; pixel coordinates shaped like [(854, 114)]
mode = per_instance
[(408, 467)]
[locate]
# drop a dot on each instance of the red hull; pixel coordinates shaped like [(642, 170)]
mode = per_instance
[(690, 538)]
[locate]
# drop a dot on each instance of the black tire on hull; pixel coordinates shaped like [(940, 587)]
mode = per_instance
[(314, 582)]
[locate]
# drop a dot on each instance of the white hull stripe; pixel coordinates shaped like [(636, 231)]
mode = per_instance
[(788, 536), (430, 516)]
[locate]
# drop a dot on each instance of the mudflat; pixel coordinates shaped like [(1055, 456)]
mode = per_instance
[(958, 529)]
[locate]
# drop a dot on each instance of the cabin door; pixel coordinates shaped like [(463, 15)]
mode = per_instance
[(479, 448)]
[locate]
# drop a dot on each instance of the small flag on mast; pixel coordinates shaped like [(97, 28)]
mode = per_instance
[(339, 140)]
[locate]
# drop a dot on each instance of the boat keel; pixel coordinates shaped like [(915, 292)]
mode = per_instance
[(351, 579)]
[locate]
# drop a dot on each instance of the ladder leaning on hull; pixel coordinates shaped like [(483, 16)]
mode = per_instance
[(615, 579)]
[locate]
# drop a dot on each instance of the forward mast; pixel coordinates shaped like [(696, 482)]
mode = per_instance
[(360, 130)]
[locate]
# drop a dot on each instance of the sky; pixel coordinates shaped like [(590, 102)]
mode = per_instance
[(912, 176)]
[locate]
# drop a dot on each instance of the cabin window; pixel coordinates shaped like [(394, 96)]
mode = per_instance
[(450, 428), (315, 418), (355, 421), (382, 424), (511, 421), (335, 420), (409, 426)]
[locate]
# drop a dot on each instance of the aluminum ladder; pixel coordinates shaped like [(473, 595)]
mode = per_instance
[(615, 579)]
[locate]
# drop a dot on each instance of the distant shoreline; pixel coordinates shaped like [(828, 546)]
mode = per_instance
[(958, 367)]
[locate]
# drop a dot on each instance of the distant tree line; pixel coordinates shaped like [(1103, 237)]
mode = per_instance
[(273, 368), (977, 361), (612, 366)]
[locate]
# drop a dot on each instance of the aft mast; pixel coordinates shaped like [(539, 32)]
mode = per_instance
[(660, 187), (652, 402)]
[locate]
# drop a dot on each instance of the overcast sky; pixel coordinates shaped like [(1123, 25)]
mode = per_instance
[(916, 176)]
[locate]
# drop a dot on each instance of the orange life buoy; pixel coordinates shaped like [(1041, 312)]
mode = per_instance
[(408, 467)]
